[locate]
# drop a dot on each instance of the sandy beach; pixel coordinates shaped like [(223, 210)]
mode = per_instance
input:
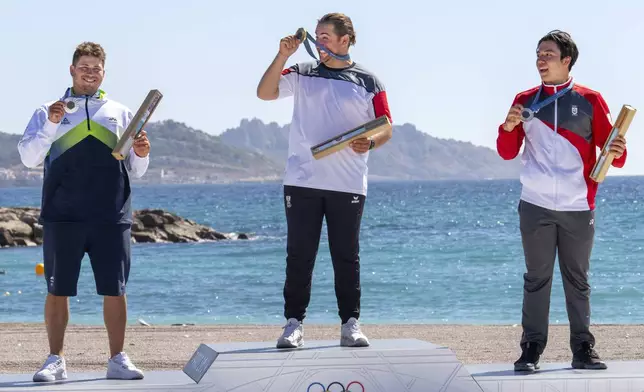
[(23, 347)]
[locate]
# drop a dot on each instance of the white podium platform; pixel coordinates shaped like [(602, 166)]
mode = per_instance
[(391, 365)]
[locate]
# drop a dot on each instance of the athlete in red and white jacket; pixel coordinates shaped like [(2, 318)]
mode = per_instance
[(561, 144), (565, 125)]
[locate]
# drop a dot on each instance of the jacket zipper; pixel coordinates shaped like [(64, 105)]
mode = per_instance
[(555, 146), (87, 112)]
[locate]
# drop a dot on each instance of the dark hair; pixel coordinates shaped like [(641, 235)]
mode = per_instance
[(565, 43), (342, 25), (89, 49)]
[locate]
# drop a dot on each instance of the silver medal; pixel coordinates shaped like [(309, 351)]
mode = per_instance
[(70, 105), (527, 114)]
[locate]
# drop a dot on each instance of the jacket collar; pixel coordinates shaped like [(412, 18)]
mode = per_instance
[(553, 88), (100, 94)]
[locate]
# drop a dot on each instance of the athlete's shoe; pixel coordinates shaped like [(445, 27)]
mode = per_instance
[(120, 367), (587, 358), (351, 335), (293, 335), (53, 369), (529, 360)]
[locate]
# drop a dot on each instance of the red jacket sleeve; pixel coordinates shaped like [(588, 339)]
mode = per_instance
[(508, 144), (602, 126), (381, 105)]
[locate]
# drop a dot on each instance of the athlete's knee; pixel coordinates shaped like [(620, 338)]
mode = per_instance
[(578, 286), (301, 261), (62, 293), (114, 289), (348, 257), (58, 288), (536, 282), (110, 293)]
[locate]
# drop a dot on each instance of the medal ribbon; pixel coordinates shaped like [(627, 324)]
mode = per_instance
[(305, 37), (536, 106)]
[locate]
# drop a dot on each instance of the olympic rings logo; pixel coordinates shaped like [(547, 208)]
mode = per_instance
[(337, 387)]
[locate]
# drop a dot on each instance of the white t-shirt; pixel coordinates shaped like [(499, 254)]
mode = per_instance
[(328, 102)]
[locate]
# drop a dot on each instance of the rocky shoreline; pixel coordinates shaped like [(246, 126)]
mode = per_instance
[(19, 227)]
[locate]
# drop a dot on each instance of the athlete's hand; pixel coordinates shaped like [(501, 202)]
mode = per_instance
[(56, 112), (513, 119), (142, 144), (289, 45), (618, 146), (360, 145)]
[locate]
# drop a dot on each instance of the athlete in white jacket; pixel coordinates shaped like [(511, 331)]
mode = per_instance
[(86, 205)]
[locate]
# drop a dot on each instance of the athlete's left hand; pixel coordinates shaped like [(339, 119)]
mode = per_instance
[(618, 146), (142, 144), (360, 145)]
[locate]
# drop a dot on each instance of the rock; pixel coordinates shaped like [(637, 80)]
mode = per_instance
[(29, 216), (137, 225), (205, 233), (20, 227), (17, 229), (8, 216), (181, 233), (6, 239), (23, 242), (168, 218), (163, 226), (37, 233), (144, 236), (151, 220)]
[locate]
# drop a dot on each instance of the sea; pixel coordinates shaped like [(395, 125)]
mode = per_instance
[(432, 252)]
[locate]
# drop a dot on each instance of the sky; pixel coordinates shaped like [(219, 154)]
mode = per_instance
[(450, 68)]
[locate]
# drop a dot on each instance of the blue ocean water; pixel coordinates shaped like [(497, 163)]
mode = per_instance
[(432, 252)]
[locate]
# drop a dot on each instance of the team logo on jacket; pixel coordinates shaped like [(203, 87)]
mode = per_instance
[(574, 110), (65, 121)]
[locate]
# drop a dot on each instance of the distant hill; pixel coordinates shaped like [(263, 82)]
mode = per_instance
[(410, 154), (256, 151), (9, 150), (180, 155), (190, 155)]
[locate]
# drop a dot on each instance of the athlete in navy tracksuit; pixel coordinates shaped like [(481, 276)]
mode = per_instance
[(558, 197), (85, 205)]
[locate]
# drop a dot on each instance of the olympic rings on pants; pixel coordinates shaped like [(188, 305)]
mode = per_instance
[(337, 387)]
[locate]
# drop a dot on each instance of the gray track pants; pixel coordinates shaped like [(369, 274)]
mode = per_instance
[(568, 234)]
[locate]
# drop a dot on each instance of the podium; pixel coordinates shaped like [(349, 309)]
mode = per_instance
[(389, 365), (407, 365)]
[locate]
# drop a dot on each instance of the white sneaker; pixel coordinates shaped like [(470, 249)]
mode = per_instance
[(351, 336), (53, 369), (293, 335), (120, 367)]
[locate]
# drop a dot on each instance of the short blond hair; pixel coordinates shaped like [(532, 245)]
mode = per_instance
[(89, 49)]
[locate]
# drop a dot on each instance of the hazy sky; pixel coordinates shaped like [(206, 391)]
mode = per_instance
[(451, 68)]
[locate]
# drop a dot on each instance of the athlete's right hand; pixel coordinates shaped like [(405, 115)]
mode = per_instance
[(56, 112), (289, 45), (513, 119)]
